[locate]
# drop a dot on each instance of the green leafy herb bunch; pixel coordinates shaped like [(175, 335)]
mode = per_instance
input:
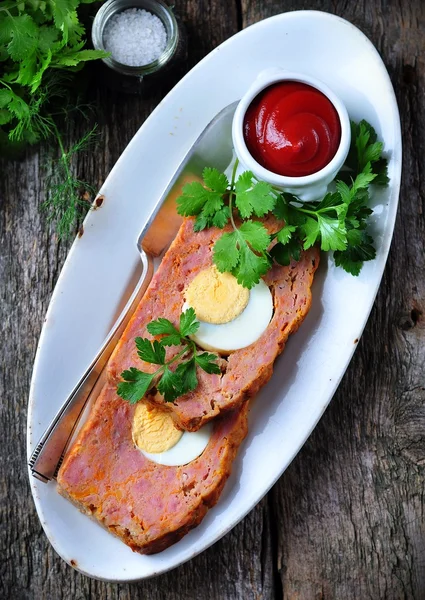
[(41, 44), (338, 223)]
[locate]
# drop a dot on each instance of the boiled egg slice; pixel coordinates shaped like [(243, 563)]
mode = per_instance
[(155, 435), (230, 316)]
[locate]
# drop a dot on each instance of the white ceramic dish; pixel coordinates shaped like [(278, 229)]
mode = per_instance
[(104, 261)]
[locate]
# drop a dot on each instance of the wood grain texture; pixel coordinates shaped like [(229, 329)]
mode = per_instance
[(346, 520)]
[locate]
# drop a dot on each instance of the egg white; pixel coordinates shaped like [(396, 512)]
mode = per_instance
[(242, 331), (190, 446)]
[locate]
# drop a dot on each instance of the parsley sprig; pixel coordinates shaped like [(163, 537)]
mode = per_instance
[(42, 47), (170, 383), (338, 222), (242, 252), (41, 44)]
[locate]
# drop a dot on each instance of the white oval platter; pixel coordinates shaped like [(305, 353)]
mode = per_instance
[(104, 261)]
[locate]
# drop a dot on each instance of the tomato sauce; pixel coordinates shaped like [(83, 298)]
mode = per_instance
[(292, 129)]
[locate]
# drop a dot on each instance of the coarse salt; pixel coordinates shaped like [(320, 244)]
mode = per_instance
[(135, 37)]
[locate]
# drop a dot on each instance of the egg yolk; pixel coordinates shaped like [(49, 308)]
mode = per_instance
[(153, 429), (216, 297)]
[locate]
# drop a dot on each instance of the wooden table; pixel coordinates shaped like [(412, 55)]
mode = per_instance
[(346, 520)]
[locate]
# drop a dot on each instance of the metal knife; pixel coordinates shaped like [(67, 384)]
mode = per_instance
[(213, 148)]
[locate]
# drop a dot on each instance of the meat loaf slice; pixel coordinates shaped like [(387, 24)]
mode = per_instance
[(148, 506), (245, 370)]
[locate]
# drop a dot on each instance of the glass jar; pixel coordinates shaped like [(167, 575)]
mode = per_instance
[(138, 79)]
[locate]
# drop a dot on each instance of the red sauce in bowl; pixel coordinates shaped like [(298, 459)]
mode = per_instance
[(292, 129)]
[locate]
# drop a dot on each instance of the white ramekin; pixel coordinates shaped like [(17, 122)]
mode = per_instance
[(309, 187)]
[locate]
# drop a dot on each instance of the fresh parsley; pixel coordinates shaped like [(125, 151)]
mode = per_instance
[(338, 223), (42, 46), (41, 43), (170, 383)]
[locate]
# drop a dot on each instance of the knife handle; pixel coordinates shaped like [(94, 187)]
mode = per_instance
[(50, 450)]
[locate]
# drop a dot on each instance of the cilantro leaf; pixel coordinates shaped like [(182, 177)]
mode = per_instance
[(170, 385), (311, 232), (284, 252), (150, 352), (286, 212), (364, 149), (332, 232), (187, 373), (256, 235), (236, 253), (5, 116), (188, 323), (250, 267), (285, 234), (161, 326), (202, 222), (205, 201), (73, 56), (23, 33), (221, 217), (61, 9), (214, 180), (192, 200), (164, 327), (360, 250), (135, 384), (207, 362), (226, 252), (253, 197), (380, 168)]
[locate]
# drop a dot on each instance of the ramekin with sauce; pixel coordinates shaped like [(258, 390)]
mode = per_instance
[(293, 132)]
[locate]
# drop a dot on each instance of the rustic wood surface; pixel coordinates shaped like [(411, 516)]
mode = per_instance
[(346, 520)]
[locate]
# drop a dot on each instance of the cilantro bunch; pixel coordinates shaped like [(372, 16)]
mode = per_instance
[(170, 383), (41, 43), (337, 223)]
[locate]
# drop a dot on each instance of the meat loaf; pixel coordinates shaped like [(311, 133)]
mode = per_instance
[(245, 370), (149, 506)]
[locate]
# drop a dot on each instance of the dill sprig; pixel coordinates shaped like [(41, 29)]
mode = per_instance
[(66, 202)]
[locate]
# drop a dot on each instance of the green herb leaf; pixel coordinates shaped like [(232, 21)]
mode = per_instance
[(164, 327), (243, 253), (361, 250), (283, 253), (135, 385), (192, 200), (285, 234), (250, 267), (170, 385), (256, 235), (186, 371), (74, 56), (253, 197), (161, 326), (23, 33), (150, 352), (188, 323), (214, 180), (333, 233), (364, 149), (5, 116), (221, 217), (207, 362), (337, 222), (226, 252), (311, 231), (205, 201)]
